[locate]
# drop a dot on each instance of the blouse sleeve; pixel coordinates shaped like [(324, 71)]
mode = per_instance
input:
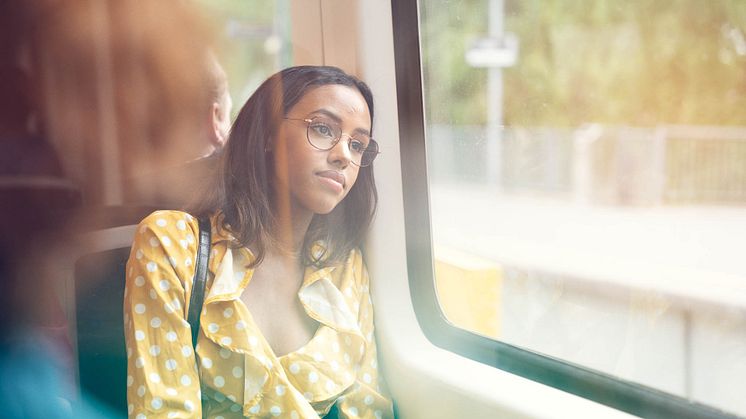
[(162, 379), (368, 398)]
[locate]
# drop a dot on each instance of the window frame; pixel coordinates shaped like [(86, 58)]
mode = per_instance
[(599, 387)]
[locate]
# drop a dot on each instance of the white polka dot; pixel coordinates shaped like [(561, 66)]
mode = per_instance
[(151, 266), (171, 336), (335, 365), (348, 341), (181, 225), (335, 347), (164, 285), (294, 368), (207, 362), (130, 380), (190, 238), (226, 340), (329, 385), (227, 312), (130, 408), (141, 416), (235, 408), (139, 362), (139, 281), (368, 400), (155, 350), (154, 377), (160, 222), (153, 242), (219, 397), (374, 364), (155, 322), (367, 378), (255, 409), (213, 328), (253, 340), (183, 243), (352, 410), (156, 403), (280, 389), (275, 411), (176, 304), (140, 308), (171, 364), (347, 358), (219, 381), (171, 391), (141, 391), (166, 241), (187, 262), (294, 415), (348, 292), (185, 380), (129, 352), (308, 396), (139, 335), (224, 353), (318, 357), (237, 372), (378, 414), (152, 294), (313, 376), (189, 405), (361, 349), (186, 350)]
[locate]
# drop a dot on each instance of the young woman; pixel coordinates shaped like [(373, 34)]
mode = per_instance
[(286, 328)]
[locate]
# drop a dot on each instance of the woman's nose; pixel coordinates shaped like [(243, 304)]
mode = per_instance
[(341, 153)]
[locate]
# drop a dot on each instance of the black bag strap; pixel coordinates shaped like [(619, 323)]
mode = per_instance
[(200, 278)]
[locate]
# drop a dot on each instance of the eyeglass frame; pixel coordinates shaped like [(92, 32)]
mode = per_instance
[(337, 140)]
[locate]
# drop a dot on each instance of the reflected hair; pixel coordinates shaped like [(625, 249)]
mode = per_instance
[(242, 191)]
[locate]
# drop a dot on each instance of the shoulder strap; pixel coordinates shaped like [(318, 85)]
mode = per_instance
[(200, 278)]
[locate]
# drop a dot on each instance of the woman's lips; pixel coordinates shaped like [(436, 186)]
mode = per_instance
[(333, 178)]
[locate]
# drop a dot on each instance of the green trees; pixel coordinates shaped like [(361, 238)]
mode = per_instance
[(640, 63)]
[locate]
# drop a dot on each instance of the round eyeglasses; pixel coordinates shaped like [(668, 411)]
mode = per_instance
[(324, 133)]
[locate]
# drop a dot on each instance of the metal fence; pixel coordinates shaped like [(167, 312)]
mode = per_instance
[(617, 165)]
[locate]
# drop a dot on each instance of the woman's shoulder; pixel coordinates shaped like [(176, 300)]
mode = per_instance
[(168, 219), (165, 228), (354, 264)]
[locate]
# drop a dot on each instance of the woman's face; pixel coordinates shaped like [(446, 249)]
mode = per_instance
[(317, 180)]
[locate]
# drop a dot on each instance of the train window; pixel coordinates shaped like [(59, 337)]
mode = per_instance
[(254, 41), (587, 193)]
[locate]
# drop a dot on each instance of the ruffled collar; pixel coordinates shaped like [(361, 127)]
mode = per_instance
[(226, 321)]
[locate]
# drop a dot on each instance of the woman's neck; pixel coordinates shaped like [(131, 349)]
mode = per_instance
[(290, 229)]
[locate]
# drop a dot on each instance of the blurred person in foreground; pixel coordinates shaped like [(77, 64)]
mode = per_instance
[(111, 87)]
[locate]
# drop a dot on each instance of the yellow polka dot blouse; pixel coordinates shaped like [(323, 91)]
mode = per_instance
[(234, 372)]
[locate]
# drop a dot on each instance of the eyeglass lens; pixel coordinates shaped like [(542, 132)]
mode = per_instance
[(324, 134)]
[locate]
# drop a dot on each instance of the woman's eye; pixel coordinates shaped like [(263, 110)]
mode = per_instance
[(323, 129), (357, 146)]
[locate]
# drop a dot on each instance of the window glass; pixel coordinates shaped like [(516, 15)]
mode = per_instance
[(587, 169), (253, 41)]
